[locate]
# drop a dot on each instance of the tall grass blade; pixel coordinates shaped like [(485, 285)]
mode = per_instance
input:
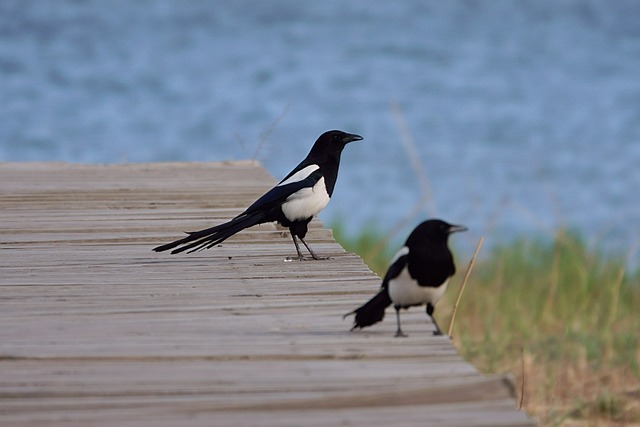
[(464, 283)]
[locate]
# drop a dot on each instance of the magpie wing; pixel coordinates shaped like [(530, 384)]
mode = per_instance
[(398, 264), (288, 186)]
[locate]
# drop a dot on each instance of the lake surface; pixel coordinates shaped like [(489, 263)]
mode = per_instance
[(524, 115)]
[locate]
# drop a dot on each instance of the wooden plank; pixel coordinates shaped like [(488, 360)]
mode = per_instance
[(96, 329)]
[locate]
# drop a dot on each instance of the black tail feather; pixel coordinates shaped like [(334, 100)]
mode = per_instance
[(372, 311), (204, 239)]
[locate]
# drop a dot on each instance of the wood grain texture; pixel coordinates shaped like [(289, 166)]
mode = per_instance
[(98, 330)]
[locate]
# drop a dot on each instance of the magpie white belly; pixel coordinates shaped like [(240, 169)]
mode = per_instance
[(306, 203), (405, 291)]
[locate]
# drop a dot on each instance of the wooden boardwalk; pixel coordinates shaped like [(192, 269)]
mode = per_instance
[(98, 330)]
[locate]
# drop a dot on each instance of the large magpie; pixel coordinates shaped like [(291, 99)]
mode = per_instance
[(293, 202), (418, 274)]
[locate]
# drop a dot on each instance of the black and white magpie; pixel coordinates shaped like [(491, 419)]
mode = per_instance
[(292, 203), (418, 274)]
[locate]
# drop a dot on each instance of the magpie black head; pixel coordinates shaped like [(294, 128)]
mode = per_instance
[(333, 141), (432, 230)]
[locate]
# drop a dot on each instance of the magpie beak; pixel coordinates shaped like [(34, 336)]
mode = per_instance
[(351, 137), (457, 228)]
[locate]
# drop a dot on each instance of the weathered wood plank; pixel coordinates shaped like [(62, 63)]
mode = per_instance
[(96, 329)]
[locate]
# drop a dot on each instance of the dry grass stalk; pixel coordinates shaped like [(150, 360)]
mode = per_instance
[(464, 283)]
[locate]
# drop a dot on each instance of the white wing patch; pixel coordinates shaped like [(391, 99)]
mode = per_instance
[(300, 175), (402, 252)]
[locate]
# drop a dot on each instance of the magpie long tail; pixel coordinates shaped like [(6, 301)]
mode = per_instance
[(372, 311), (204, 239)]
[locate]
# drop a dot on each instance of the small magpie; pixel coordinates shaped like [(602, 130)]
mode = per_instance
[(418, 274), (293, 202)]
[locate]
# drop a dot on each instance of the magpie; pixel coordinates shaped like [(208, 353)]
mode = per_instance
[(292, 203), (418, 274)]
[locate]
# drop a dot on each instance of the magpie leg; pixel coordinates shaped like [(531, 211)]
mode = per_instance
[(430, 310), (295, 242), (399, 332), (313, 254)]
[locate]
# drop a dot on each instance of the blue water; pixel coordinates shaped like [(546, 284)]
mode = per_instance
[(525, 115)]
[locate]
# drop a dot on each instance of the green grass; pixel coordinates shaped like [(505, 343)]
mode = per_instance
[(561, 317)]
